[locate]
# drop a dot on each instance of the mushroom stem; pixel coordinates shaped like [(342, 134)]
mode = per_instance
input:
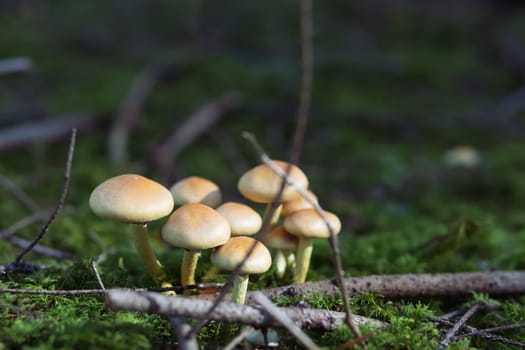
[(275, 216), (152, 265), (280, 264), (189, 264), (290, 258), (239, 289), (304, 253)]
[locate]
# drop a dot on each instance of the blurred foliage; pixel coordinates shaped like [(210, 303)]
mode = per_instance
[(396, 85)]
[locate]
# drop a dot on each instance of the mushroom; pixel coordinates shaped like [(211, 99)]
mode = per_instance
[(298, 204), (232, 253), (134, 199), (196, 189), (307, 224), (285, 245), (194, 227), (261, 185), (243, 220)]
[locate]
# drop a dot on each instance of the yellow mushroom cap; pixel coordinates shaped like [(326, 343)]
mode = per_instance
[(231, 253), (243, 219), (279, 238), (196, 189), (298, 203), (131, 198), (196, 226), (309, 224), (261, 184)]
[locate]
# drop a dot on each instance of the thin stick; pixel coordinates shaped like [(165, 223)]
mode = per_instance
[(156, 303), (509, 327), (19, 194), (285, 321), (97, 275), (40, 249), (20, 224), (334, 242), (460, 323), (307, 68), (239, 338), (65, 188)]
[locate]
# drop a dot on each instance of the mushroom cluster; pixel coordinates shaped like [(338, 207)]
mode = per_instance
[(201, 222)]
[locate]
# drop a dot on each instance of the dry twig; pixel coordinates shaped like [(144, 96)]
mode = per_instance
[(19, 194), (65, 188), (460, 323), (97, 275), (255, 316)]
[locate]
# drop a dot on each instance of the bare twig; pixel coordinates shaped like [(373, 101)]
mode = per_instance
[(97, 275), (48, 129), (157, 303), (201, 120), (15, 65), (460, 323), (509, 327), (181, 328), (129, 113), (334, 243), (487, 336), (40, 249), (285, 321), (65, 188), (20, 224), (239, 338), (18, 193)]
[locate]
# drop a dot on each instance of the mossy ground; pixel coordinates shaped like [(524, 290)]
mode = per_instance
[(387, 79)]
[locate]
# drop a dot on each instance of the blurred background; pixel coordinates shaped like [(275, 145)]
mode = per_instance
[(398, 86)]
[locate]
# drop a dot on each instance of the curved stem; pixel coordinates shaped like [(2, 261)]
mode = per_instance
[(290, 259), (189, 264), (304, 253), (240, 287), (152, 265)]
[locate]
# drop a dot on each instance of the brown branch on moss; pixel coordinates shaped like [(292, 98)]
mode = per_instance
[(412, 285), (228, 312)]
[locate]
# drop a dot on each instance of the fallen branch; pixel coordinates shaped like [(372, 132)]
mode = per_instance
[(156, 303), (40, 249), (200, 121), (412, 285), (45, 130)]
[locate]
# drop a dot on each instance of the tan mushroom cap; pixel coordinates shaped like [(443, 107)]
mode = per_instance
[(243, 219), (196, 226), (309, 224), (279, 238), (298, 203), (196, 189), (229, 255), (131, 198), (261, 184)]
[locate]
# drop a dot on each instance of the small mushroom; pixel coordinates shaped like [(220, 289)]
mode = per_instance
[(196, 189), (232, 253), (307, 224), (134, 199), (285, 245), (194, 227), (261, 185), (243, 220)]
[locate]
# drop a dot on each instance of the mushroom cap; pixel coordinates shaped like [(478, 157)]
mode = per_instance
[(231, 253), (243, 219), (279, 238), (261, 184), (196, 226), (309, 224), (131, 198), (196, 189), (298, 203)]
